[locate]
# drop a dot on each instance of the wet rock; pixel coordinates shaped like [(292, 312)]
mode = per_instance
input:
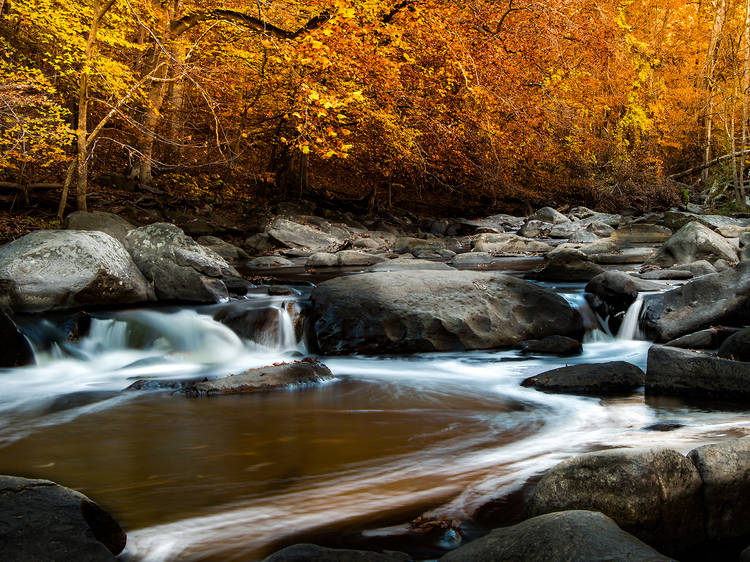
[(178, 267), (109, 223), (725, 470), (673, 371), (471, 259), (59, 269), (736, 346), (597, 379), (722, 265), (710, 300), (663, 426), (655, 494), (409, 264), (557, 537), (550, 215), (641, 233), (314, 553), (270, 261), (263, 379), (709, 338), (693, 242), (553, 345), (567, 264), (666, 274), (408, 311), (230, 252), (611, 293), (534, 229), (509, 244), (40, 520), (257, 324), (15, 350), (301, 236)]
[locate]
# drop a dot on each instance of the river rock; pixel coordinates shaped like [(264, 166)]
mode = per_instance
[(313, 553), (710, 300), (368, 244), (471, 259), (703, 339), (673, 371), (671, 274), (624, 257), (611, 293), (259, 243), (725, 470), (15, 350), (641, 233), (40, 520), (257, 324), (179, 268), (230, 252), (550, 215), (697, 268), (565, 229), (271, 261), (600, 229), (574, 535), (553, 345), (302, 236), (344, 258), (581, 212), (509, 244), (109, 223), (597, 379), (736, 346), (693, 242), (406, 244), (534, 229), (568, 264), (59, 269), (430, 254), (583, 236), (412, 311), (655, 494), (409, 264)]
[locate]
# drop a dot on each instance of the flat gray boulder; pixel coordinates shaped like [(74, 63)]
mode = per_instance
[(60, 269), (471, 259), (230, 252), (597, 379), (694, 242), (411, 311), (179, 268), (673, 371), (302, 236), (509, 244), (109, 223), (641, 233), (40, 520), (566, 536), (725, 470), (655, 494), (550, 215)]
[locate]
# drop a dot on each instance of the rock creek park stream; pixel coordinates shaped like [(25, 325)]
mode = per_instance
[(236, 477)]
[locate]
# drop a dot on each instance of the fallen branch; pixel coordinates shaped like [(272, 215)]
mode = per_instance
[(708, 164)]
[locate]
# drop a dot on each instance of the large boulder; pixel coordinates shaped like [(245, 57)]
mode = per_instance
[(410, 264), (694, 242), (654, 494), (708, 300), (59, 269), (568, 264), (407, 244), (407, 311), (557, 537), (109, 223), (15, 351), (680, 372), (302, 236), (313, 553), (230, 252), (736, 346), (550, 215), (725, 470), (40, 520), (179, 268), (598, 379)]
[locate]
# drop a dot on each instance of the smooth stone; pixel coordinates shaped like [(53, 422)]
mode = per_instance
[(597, 379), (703, 339), (624, 257), (641, 233), (301, 236), (509, 244), (583, 236), (600, 229), (322, 259), (410, 264), (553, 345), (406, 244), (259, 243), (312, 553), (471, 259), (270, 261), (534, 229), (550, 215), (567, 264), (230, 252), (736, 347), (694, 242), (666, 274), (697, 268), (109, 223)]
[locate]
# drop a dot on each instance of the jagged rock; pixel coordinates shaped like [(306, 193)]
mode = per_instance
[(40, 520), (59, 269), (314, 553), (109, 223), (407, 311), (691, 243), (230, 252), (655, 494), (557, 537), (673, 371), (597, 379), (15, 350)]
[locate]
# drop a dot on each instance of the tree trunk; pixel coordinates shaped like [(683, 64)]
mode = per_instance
[(713, 47), (745, 94)]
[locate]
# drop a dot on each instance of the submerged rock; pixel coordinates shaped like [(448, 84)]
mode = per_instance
[(654, 494), (557, 537), (40, 520), (402, 312), (598, 379), (60, 269)]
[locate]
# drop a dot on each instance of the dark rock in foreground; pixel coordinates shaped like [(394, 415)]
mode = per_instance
[(725, 470), (60, 269), (703, 339), (611, 294), (553, 345), (679, 372), (403, 312), (252, 380), (314, 553), (694, 242), (736, 346), (654, 494), (598, 379), (574, 535), (569, 265), (40, 520), (15, 351)]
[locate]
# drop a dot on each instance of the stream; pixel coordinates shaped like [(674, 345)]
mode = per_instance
[(237, 477)]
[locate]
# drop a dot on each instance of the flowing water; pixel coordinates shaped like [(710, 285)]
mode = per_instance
[(235, 477)]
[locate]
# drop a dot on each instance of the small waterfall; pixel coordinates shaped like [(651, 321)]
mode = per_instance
[(287, 338), (630, 329)]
